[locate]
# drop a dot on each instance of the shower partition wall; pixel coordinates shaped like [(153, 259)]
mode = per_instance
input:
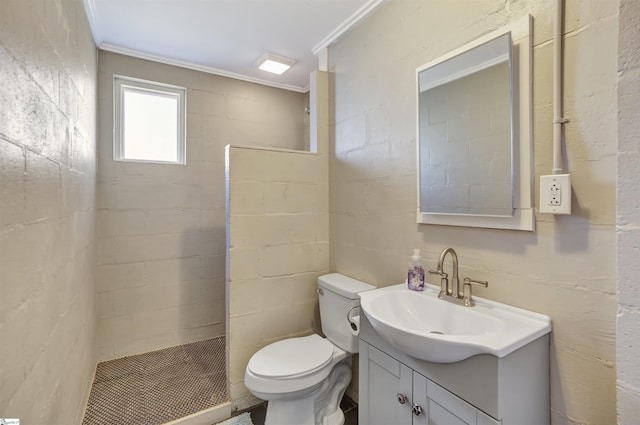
[(278, 228)]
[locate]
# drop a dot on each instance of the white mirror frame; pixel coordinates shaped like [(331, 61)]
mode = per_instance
[(523, 209)]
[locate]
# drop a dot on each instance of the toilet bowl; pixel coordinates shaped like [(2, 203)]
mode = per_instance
[(303, 379)]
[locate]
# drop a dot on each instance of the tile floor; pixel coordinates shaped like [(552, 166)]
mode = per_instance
[(160, 386)]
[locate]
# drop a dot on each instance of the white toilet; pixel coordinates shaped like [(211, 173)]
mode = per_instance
[(304, 379)]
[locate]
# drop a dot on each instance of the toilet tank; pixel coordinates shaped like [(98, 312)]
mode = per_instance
[(338, 294)]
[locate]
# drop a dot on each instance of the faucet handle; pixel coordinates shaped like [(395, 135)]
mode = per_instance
[(444, 281), (468, 281), (467, 298)]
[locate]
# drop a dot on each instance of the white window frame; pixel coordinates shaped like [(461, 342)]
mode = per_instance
[(122, 84)]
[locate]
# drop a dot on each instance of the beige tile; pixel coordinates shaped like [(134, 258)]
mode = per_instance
[(105, 353), (290, 320), (307, 198), (287, 259), (117, 276), (251, 297), (246, 230), (146, 195), (247, 197), (104, 301), (120, 223), (573, 378), (171, 220), (350, 134), (194, 123), (42, 184), (172, 270), (145, 344), (275, 198), (210, 290), (123, 249), (114, 329), (212, 267), (12, 191), (202, 314), (238, 363), (214, 104), (247, 331)]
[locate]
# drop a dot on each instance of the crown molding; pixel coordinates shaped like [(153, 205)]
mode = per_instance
[(90, 11), (198, 67), (347, 25)]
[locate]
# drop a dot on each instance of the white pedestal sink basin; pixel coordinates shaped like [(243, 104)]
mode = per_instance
[(425, 327)]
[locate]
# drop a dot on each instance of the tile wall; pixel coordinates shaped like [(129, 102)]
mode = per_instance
[(628, 212), (161, 228), (567, 268), (278, 246), (47, 210)]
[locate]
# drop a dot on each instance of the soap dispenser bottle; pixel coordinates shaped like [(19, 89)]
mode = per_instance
[(415, 275)]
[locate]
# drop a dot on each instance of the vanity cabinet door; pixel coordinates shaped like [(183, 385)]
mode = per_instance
[(384, 384), (440, 407)]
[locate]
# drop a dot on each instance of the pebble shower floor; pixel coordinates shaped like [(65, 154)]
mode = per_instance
[(160, 386)]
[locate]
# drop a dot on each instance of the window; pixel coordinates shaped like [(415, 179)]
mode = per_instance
[(149, 121)]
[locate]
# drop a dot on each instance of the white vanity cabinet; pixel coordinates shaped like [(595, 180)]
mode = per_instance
[(383, 380), (392, 393), (441, 407), (481, 390)]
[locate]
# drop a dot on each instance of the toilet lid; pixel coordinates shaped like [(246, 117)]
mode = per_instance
[(291, 357)]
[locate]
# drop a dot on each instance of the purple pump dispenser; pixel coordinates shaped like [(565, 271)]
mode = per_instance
[(415, 275)]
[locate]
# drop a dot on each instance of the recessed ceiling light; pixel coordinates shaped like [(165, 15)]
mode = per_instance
[(274, 63)]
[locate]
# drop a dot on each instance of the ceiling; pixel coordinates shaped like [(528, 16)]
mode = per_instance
[(226, 37)]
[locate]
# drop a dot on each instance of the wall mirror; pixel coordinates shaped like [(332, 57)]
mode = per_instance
[(474, 133)]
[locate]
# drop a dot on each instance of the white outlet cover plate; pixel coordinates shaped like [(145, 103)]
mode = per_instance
[(553, 201)]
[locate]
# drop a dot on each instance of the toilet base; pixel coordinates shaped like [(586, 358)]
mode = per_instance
[(290, 412), (322, 407), (336, 418)]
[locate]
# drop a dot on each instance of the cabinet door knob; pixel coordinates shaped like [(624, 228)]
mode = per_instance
[(402, 399), (417, 410)]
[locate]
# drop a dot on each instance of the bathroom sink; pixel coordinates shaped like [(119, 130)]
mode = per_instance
[(428, 328)]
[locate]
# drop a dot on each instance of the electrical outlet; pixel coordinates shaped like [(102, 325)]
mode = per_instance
[(555, 194)]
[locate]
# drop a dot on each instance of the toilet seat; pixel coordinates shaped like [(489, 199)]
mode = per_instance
[(300, 378), (292, 358)]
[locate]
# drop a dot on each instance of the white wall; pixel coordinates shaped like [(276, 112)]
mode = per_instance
[(566, 269), (160, 227), (47, 210), (628, 211)]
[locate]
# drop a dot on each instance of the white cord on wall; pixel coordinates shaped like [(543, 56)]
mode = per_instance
[(555, 189), (558, 119)]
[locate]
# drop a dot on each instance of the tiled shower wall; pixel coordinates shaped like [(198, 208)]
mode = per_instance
[(47, 210), (278, 246), (161, 228), (567, 268)]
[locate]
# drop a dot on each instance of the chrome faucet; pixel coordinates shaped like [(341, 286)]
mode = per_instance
[(454, 292), (445, 289)]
